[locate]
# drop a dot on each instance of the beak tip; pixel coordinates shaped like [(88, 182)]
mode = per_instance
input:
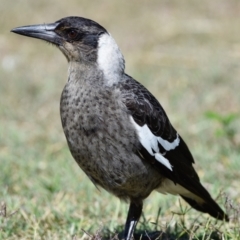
[(42, 31), (15, 30)]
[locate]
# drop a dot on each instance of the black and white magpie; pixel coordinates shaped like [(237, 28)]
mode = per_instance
[(116, 130)]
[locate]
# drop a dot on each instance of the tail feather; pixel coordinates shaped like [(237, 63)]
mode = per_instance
[(195, 195), (209, 206)]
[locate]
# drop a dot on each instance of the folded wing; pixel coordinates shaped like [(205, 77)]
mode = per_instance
[(162, 146)]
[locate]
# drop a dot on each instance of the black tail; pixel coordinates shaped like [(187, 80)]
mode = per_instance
[(209, 206)]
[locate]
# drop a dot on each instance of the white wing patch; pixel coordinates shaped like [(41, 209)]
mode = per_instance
[(169, 145), (160, 158), (150, 143)]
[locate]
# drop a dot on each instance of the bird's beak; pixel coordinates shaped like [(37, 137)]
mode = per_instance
[(43, 31)]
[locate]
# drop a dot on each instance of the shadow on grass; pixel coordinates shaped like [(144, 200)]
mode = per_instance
[(168, 234), (139, 235), (180, 228)]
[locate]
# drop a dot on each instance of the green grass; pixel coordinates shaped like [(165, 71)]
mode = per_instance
[(187, 53)]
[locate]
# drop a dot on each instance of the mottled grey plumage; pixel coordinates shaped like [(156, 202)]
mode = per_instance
[(116, 130), (100, 136)]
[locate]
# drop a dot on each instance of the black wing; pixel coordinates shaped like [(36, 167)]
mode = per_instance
[(146, 110)]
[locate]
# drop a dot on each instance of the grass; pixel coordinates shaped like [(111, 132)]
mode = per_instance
[(187, 53)]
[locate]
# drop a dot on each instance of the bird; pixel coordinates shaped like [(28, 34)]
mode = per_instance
[(116, 130)]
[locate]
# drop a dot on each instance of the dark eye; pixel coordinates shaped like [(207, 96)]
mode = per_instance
[(72, 33)]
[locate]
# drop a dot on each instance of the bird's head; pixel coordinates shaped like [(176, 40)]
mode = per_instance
[(81, 40)]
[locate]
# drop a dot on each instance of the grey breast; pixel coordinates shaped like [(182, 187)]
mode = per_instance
[(103, 141)]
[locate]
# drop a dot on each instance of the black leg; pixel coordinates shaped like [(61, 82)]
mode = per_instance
[(134, 213)]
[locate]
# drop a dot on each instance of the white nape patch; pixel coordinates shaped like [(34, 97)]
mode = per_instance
[(168, 186), (110, 59), (150, 142)]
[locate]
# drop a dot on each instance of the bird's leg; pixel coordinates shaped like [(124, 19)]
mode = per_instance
[(134, 213)]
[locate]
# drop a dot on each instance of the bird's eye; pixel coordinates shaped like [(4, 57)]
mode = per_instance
[(72, 33)]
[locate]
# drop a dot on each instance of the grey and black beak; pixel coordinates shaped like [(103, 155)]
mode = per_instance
[(43, 31)]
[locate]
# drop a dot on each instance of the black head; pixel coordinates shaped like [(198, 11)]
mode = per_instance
[(76, 37)]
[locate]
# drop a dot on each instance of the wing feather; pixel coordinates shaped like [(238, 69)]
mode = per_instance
[(163, 147)]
